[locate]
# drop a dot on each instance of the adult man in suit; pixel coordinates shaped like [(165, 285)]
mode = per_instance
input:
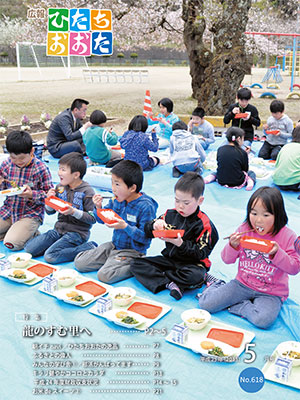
[(65, 132)]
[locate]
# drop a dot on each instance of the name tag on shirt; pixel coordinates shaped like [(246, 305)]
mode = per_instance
[(131, 218)]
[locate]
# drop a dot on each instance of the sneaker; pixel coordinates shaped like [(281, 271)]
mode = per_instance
[(218, 134), (175, 173), (174, 290)]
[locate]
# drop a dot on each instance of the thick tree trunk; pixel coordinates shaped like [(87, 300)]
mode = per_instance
[(194, 27), (216, 77)]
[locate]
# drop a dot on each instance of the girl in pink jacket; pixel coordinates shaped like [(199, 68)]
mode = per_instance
[(261, 285)]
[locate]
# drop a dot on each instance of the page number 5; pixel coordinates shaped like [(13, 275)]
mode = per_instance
[(250, 352)]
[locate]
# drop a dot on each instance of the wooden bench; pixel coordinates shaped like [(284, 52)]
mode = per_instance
[(110, 75)]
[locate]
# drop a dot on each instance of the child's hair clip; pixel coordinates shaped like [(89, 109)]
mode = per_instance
[(233, 138)]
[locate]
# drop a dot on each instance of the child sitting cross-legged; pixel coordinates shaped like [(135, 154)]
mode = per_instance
[(262, 282), (137, 143), (72, 229), (281, 123), (163, 121), (233, 166), (186, 151), (184, 261), (112, 259), (96, 137), (22, 215), (202, 128)]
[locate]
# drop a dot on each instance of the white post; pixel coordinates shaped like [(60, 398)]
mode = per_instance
[(63, 63), (86, 63), (18, 61), (36, 60), (69, 67)]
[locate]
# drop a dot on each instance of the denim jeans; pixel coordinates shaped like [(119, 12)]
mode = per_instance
[(57, 248), (247, 143), (261, 309), (194, 166), (204, 144)]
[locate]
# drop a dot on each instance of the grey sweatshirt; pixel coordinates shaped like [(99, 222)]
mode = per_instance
[(185, 148), (285, 125), (81, 200)]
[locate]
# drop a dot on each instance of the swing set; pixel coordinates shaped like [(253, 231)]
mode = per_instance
[(274, 71)]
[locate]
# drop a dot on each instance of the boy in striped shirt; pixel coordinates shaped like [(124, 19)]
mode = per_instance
[(22, 214)]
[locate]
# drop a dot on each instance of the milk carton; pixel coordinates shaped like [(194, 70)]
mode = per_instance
[(4, 264), (283, 368), (50, 284), (103, 305), (179, 333)]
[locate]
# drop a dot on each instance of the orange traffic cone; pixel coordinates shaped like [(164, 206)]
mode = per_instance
[(147, 104)]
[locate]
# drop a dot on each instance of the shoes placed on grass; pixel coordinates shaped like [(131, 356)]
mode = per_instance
[(218, 134)]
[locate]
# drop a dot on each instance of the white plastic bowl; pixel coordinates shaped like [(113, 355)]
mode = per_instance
[(66, 277), (285, 347), (122, 291), (198, 313), (19, 260)]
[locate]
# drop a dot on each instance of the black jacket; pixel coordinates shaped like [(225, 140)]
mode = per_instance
[(240, 123), (232, 163), (199, 238)]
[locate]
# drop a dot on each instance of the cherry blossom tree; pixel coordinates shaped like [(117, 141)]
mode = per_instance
[(217, 72), (210, 31)]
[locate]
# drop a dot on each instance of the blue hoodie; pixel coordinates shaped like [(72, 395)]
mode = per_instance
[(136, 213)]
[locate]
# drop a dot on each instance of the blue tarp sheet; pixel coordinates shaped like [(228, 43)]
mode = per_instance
[(170, 372)]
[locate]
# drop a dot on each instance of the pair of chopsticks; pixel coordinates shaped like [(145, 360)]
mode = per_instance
[(103, 197), (240, 233)]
